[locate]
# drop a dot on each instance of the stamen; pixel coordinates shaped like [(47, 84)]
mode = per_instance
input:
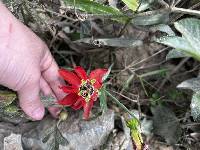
[(93, 81), (86, 89)]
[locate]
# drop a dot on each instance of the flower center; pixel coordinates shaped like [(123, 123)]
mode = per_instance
[(86, 89)]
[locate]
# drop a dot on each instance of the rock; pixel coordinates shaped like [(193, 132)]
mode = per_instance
[(32, 139), (163, 120), (14, 119), (1, 141), (120, 137), (5, 131), (74, 133), (13, 142), (87, 135)]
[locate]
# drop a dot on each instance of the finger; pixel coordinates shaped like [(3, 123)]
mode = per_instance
[(30, 101), (45, 88), (50, 74), (55, 111)]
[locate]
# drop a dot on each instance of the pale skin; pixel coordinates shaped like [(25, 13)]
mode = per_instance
[(27, 66)]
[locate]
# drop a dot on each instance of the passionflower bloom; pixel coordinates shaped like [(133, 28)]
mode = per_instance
[(82, 90)]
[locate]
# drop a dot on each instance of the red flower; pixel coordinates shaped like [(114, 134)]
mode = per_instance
[(82, 90)]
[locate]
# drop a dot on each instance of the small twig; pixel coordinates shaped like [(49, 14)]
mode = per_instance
[(185, 11), (123, 28), (163, 3), (137, 62), (72, 61), (172, 3), (141, 79), (67, 52), (55, 13), (177, 2), (132, 100), (150, 66), (96, 27), (143, 86), (173, 71), (96, 50), (139, 107), (193, 7), (189, 71), (162, 50)]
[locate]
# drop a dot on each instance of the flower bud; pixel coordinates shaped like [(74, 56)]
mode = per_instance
[(63, 116)]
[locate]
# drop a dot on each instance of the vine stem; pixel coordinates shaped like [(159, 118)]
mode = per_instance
[(185, 11), (121, 105)]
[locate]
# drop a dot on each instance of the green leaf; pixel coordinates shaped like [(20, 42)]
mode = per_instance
[(97, 9), (189, 43), (60, 139), (195, 106), (163, 28), (176, 42), (103, 99), (114, 42), (145, 4), (47, 133), (191, 84), (176, 54), (46, 138), (7, 98), (179, 43), (151, 18), (53, 137), (11, 110), (190, 29), (132, 4), (133, 124)]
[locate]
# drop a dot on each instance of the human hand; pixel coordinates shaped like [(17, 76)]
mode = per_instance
[(26, 65)]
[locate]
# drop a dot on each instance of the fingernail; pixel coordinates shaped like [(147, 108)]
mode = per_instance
[(38, 113)]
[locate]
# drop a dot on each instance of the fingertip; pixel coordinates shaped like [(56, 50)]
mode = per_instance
[(33, 111), (38, 113), (30, 101)]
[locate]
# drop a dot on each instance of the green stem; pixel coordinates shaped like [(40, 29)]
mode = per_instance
[(121, 105)]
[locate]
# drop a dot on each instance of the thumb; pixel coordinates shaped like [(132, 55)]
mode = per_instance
[(30, 101)]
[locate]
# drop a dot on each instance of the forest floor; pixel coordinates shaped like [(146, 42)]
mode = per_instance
[(141, 77)]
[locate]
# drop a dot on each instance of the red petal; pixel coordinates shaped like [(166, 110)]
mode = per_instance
[(97, 85), (78, 104), (88, 106), (81, 72), (70, 77), (68, 100), (69, 89), (94, 96), (87, 109), (98, 74)]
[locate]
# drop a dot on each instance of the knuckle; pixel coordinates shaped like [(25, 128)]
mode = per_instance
[(46, 61)]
